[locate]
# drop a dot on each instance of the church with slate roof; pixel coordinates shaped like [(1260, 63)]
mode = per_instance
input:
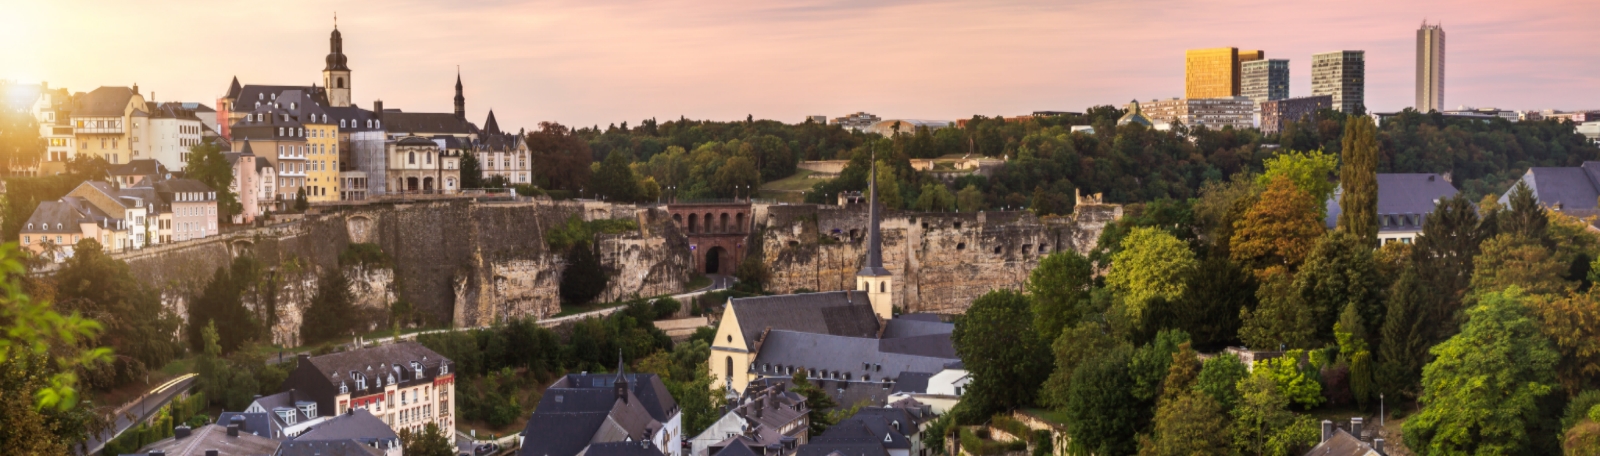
[(847, 341)]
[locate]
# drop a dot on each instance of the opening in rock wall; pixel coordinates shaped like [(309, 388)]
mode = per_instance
[(958, 225), (961, 246)]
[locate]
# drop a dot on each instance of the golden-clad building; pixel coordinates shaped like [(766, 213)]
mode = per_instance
[(1215, 72)]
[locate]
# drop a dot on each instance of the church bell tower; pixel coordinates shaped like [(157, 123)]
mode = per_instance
[(336, 76), (876, 281)]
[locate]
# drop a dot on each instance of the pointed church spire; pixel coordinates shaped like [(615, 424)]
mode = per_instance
[(461, 101), (621, 384), (874, 266)]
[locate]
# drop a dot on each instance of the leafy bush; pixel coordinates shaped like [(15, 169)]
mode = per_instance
[(666, 307), (364, 254)]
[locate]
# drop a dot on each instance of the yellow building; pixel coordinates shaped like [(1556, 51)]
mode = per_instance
[(322, 162), (1215, 72), (109, 123)]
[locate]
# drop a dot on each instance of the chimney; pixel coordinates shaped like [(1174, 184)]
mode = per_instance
[(1377, 445), (377, 108), (233, 430), (180, 432), (1327, 430), (1355, 428)]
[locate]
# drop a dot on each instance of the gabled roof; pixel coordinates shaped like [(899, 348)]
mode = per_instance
[(1571, 189), (378, 363), (1411, 195), (327, 448), (233, 89), (419, 123), (910, 326), (54, 217), (252, 93), (735, 446), (559, 434), (1342, 444), (214, 437), (263, 424), (649, 389), (640, 448), (839, 313), (870, 427), (141, 167), (859, 357), (490, 126), (104, 102), (855, 446), (358, 425), (912, 382)]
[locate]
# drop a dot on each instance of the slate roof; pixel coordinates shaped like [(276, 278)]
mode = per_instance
[(327, 448), (416, 141), (735, 446), (932, 345), (286, 399), (261, 424), (643, 448), (358, 425), (417, 123), (912, 382), (378, 363), (252, 93), (559, 434), (838, 313), (1342, 444), (1573, 189), (907, 326), (853, 446), (844, 393), (870, 427), (355, 118), (103, 102), (170, 186), (652, 393), (214, 437), (54, 217), (233, 89), (853, 358), (141, 167), (490, 126), (1404, 198)]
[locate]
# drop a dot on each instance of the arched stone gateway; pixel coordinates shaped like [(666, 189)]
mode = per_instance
[(359, 228), (240, 247), (713, 226)]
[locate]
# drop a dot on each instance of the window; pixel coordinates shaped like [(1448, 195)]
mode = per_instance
[(411, 158)]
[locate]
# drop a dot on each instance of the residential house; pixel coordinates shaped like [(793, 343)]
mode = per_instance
[(581, 412), (765, 417), (246, 184), (503, 155), (1353, 442), (425, 165), (359, 426), (1404, 202), (404, 384), (111, 123), (1573, 191), (136, 173), (193, 208), (285, 415), (173, 130)]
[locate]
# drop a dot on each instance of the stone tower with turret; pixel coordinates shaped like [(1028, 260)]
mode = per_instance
[(336, 75), (873, 278)]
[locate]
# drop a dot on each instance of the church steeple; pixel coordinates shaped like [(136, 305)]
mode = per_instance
[(461, 101), (621, 384), (336, 76), (873, 278)]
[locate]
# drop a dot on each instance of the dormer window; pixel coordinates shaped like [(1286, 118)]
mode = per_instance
[(341, 123), (260, 96), (443, 369)]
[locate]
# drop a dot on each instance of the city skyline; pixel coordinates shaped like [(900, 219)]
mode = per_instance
[(584, 64)]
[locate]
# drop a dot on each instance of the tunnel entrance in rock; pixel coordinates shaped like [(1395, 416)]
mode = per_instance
[(714, 260)]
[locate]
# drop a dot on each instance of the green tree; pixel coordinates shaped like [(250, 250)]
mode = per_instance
[(615, 180), (1443, 256), (1358, 175), (1102, 411), (1151, 364), (1187, 421), (1295, 379), (1008, 361), (208, 165), (137, 327), (1406, 335), (1263, 424), (40, 353), (432, 441), (222, 301), (736, 178), (1219, 378), (1279, 230), (1482, 391), (1340, 272), (889, 187), (300, 202), (1281, 317), (1059, 289), (1075, 345), (1512, 259), (1309, 171), (471, 171), (935, 198), (970, 199), (332, 312), (1524, 216), (1219, 205), (1217, 291), (1573, 324), (583, 279), (1152, 264)]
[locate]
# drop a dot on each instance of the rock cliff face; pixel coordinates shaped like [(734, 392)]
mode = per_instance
[(941, 262), (467, 263)]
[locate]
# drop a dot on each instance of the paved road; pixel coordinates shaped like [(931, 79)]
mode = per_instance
[(133, 413)]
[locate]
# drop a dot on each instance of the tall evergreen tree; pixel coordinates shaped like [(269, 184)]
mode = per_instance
[(1524, 216), (332, 310), (471, 171), (1358, 175)]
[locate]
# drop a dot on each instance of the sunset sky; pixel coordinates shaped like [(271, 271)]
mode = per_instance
[(599, 62)]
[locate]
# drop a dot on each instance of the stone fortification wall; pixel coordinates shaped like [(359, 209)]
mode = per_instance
[(941, 262), (467, 263)]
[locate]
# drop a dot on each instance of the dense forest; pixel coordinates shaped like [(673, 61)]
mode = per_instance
[(1045, 161)]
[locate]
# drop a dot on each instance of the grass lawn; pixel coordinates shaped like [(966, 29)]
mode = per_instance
[(699, 281), (799, 181), (1050, 415)]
